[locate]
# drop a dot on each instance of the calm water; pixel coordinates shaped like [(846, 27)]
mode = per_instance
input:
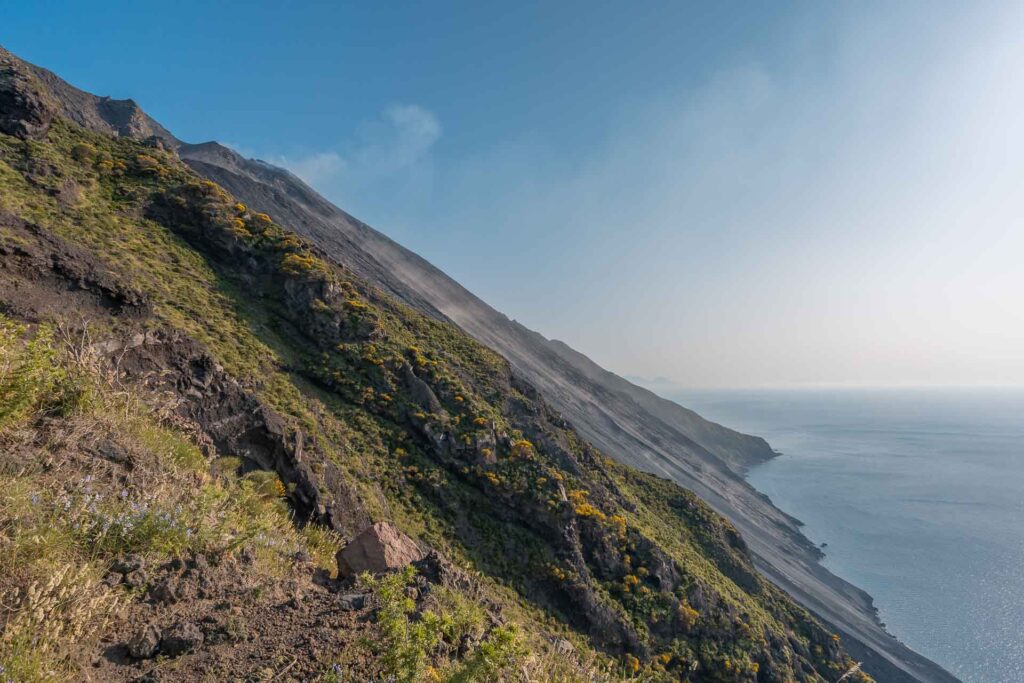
[(919, 495)]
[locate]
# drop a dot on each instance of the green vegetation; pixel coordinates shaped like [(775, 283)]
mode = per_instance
[(30, 380), (407, 648)]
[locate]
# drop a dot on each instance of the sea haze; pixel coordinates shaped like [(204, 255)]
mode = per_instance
[(919, 495)]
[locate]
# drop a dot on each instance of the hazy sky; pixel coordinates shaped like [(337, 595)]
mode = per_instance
[(740, 195)]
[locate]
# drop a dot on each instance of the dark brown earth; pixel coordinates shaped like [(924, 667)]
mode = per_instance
[(211, 619), (41, 273)]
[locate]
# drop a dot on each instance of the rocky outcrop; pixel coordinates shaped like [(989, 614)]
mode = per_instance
[(379, 549), (239, 423), (26, 109), (43, 277)]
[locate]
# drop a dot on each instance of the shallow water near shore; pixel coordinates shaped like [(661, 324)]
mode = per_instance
[(919, 496)]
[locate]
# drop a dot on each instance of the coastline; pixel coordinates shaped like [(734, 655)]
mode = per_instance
[(916, 491)]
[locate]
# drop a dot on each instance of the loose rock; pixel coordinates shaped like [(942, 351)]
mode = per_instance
[(180, 639), (379, 549), (145, 643), (352, 602)]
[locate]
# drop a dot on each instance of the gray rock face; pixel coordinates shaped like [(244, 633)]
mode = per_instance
[(216, 401), (436, 568), (420, 392), (379, 549), (25, 109)]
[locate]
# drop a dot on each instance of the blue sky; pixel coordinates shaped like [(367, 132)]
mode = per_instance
[(721, 193)]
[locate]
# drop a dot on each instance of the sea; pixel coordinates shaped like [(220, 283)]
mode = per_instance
[(916, 495)]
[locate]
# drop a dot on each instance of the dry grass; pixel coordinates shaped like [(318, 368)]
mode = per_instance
[(55, 622), (113, 474)]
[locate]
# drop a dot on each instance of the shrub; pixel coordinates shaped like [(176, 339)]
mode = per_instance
[(32, 380), (418, 645), (265, 483), (500, 653), (239, 229), (522, 449), (687, 615), (356, 305), (302, 265), (588, 510), (406, 644), (148, 165), (618, 523), (83, 152)]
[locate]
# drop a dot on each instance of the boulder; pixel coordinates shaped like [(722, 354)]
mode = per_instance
[(181, 639), (564, 648), (144, 644), (420, 391), (436, 568), (379, 549), (352, 602), (166, 592)]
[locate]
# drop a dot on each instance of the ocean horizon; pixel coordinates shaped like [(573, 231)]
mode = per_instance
[(914, 495)]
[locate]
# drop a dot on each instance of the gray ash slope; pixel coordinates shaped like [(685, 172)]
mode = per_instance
[(628, 422)]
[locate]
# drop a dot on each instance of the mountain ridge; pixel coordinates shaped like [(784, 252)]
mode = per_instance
[(628, 422)]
